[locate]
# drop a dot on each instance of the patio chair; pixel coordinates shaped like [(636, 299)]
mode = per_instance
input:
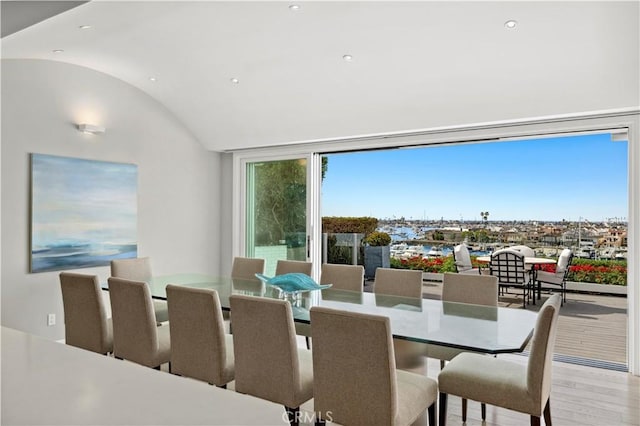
[(559, 277), (462, 259), (508, 266)]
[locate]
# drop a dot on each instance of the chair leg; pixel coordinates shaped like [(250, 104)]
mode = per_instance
[(483, 409), (464, 410), (547, 413), (293, 414), (432, 414), (442, 362), (308, 340), (535, 421), (443, 409)]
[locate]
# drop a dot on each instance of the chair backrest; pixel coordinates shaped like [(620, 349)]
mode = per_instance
[(564, 261), (246, 268), (462, 258), (526, 250), (136, 269), (352, 355), (398, 282), (474, 289), (135, 337), (541, 355), (289, 266), (198, 347), (343, 277), (508, 266), (85, 317), (265, 349)]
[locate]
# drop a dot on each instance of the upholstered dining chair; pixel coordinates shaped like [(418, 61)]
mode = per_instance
[(290, 266), (139, 269), (293, 266), (136, 336), (559, 277), (246, 268), (462, 259), (404, 283), (463, 288), (495, 381), (398, 282), (353, 354), (343, 277), (508, 266), (200, 349), (268, 362), (85, 319)]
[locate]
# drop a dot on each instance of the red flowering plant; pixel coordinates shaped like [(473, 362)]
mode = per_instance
[(581, 270)]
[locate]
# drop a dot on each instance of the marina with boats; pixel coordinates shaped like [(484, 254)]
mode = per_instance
[(588, 240)]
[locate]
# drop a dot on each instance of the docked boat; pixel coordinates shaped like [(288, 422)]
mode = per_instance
[(435, 252)]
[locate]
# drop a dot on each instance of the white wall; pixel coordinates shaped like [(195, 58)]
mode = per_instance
[(178, 180)]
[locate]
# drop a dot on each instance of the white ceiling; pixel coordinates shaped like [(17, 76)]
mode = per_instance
[(416, 65)]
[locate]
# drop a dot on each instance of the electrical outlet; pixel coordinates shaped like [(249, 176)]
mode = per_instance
[(51, 319)]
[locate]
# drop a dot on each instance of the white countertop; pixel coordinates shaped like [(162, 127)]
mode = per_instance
[(44, 382)]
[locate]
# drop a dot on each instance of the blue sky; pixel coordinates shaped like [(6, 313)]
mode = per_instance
[(538, 179)]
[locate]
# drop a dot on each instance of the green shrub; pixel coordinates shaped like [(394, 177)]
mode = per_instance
[(378, 239)]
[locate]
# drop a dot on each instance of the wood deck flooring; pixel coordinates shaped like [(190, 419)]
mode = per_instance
[(590, 327)]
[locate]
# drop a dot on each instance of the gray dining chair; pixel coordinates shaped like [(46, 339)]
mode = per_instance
[(268, 362), (301, 267), (470, 289), (402, 283), (136, 336), (495, 381), (139, 269), (343, 277), (291, 266), (354, 373), (246, 268), (86, 324), (200, 349), (398, 282)]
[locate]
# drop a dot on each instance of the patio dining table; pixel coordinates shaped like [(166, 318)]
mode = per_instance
[(491, 330)]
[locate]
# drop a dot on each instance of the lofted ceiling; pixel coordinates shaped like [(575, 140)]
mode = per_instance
[(415, 65)]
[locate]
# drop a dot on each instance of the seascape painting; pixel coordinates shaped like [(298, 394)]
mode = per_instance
[(83, 212)]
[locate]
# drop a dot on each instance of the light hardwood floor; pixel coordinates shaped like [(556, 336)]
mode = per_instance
[(580, 396)]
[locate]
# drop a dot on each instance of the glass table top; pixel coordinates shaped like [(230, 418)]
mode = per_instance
[(471, 327)]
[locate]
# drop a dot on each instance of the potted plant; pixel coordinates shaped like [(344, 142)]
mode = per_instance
[(377, 253)]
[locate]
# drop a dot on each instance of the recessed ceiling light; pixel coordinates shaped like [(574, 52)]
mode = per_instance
[(347, 58), (510, 23), (153, 79), (57, 51), (294, 7), (84, 27), (235, 80)]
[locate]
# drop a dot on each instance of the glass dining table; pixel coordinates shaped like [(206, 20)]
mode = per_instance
[(491, 330)]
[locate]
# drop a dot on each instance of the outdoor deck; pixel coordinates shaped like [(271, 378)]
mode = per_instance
[(591, 326)]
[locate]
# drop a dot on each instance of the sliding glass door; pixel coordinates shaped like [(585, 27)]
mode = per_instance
[(276, 221)]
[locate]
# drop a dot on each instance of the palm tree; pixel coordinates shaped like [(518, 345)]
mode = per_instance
[(485, 217)]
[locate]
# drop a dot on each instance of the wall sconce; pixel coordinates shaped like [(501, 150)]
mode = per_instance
[(91, 129)]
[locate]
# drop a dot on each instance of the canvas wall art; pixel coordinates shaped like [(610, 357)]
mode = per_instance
[(83, 212)]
